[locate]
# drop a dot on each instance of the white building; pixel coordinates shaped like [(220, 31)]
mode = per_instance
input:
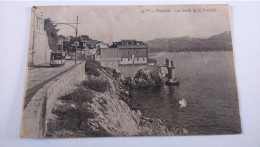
[(39, 51), (124, 53)]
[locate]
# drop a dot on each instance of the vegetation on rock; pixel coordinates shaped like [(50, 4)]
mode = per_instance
[(72, 115), (79, 95), (51, 31), (96, 85), (91, 67), (99, 108)]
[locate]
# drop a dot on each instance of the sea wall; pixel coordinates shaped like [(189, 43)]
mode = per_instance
[(38, 111), (130, 70)]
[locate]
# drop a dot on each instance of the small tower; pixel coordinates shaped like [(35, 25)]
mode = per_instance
[(171, 74)]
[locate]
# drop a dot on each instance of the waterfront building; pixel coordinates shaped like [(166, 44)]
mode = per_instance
[(132, 52), (124, 55)]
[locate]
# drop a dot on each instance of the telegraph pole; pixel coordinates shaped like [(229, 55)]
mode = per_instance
[(76, 42), (76, 29)]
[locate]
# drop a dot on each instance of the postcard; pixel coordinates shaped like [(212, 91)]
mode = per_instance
[(108, 71)]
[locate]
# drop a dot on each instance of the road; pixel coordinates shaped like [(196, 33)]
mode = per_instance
[(39, 76)]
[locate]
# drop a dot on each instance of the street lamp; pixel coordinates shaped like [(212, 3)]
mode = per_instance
[(76, 29)]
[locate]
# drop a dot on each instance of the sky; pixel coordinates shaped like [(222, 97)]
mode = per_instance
[(114, 23)]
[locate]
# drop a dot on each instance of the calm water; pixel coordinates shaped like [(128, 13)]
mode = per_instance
[(209, 86)]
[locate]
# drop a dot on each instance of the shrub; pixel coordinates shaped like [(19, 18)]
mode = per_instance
[(79, 95), (70, 118), (96, 85), (92, 66)]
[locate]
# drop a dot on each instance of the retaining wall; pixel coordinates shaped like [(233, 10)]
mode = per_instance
[(38, 111), (130, 70)]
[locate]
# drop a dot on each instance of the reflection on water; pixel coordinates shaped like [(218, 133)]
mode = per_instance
[(207, 83)]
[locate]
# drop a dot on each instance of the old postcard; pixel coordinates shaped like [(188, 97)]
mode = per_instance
[(96, 71)]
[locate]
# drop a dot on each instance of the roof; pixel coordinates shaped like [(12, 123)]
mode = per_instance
[(129, 44)]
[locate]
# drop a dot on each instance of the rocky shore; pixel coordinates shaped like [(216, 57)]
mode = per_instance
[(98, 107), (149, 76)]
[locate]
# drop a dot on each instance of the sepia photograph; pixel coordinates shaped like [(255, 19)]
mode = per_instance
[(112, 71)]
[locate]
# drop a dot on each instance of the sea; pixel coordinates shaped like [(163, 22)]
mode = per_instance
[(207, 83)]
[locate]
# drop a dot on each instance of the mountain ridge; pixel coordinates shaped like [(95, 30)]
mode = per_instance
[(219, 42)]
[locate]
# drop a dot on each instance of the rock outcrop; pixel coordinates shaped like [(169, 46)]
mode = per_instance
[(149, 76), (96, 109)]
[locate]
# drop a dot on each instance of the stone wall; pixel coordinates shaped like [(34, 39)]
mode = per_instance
[(130, 70), (109, 63), (38, 111)]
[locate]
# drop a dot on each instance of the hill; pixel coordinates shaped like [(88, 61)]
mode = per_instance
[(220, 42)]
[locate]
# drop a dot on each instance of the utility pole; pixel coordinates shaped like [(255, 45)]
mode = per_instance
[(76, 29), (76, 42)]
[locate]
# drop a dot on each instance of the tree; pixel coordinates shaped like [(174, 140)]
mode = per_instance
[(85, 37), (51, 31)]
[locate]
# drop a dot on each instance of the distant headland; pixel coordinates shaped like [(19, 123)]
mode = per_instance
[(220, 42)]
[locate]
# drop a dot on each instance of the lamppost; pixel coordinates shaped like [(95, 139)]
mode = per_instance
[(76, 29)]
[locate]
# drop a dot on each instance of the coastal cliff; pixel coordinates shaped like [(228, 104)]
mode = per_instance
[(98, 107)]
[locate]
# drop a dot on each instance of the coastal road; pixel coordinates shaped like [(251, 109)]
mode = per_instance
[(37, 77)]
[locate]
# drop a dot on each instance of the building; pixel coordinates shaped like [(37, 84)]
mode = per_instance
[(132, 52), (108, 57), (69, 38), (92, 43), (86, 46), (124, 55), (39, 51), (101, 44)]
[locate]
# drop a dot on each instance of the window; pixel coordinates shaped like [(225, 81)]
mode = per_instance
[(137, 59), (128, 52), (128, 59), (121, 59), (143, 59), (137, 52)]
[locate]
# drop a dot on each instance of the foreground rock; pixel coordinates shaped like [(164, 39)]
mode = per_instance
[(99, 108)]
